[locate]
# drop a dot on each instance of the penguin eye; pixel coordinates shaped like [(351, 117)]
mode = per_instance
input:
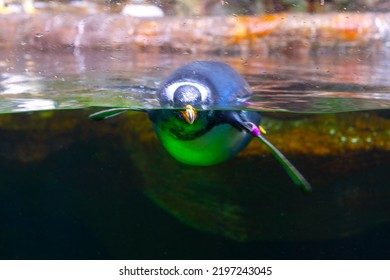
[(172, 89)]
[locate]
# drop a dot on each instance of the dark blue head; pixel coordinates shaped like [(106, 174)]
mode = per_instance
[(203, 85)]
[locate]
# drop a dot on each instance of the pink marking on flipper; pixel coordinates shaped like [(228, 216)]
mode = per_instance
[(255, 131)]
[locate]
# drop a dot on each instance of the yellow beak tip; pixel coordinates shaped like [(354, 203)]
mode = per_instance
[(189, 114)]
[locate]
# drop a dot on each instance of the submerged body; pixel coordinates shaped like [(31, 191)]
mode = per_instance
[(206, 146)]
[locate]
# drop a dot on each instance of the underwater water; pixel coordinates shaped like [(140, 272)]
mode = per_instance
[(73, 188)]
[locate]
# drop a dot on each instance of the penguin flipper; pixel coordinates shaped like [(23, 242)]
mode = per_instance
[(235, 120), (294, 174), (109, 113)]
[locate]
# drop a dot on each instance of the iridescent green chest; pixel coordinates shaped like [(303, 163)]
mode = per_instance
[(216, 145)]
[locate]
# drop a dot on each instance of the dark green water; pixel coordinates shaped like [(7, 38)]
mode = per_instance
[(72, 188), (79, 205)]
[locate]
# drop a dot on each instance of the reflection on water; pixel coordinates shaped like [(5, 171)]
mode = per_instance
[(318, 83), (74, 188)]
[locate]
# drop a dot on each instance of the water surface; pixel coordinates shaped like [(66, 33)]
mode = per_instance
[(321, 83)]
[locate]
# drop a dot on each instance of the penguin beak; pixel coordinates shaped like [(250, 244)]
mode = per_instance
[(189, 114)]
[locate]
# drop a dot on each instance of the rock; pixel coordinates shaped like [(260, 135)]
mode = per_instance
[(258, 34)]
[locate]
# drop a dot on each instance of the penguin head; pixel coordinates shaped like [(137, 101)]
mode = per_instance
[(190, 93), (202, 85)]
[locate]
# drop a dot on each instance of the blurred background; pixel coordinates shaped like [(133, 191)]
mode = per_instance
[(195, 7)]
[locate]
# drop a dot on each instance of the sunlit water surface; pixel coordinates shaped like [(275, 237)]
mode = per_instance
[(321, 83)]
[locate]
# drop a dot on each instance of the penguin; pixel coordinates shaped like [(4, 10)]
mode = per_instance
[(193, 131)]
